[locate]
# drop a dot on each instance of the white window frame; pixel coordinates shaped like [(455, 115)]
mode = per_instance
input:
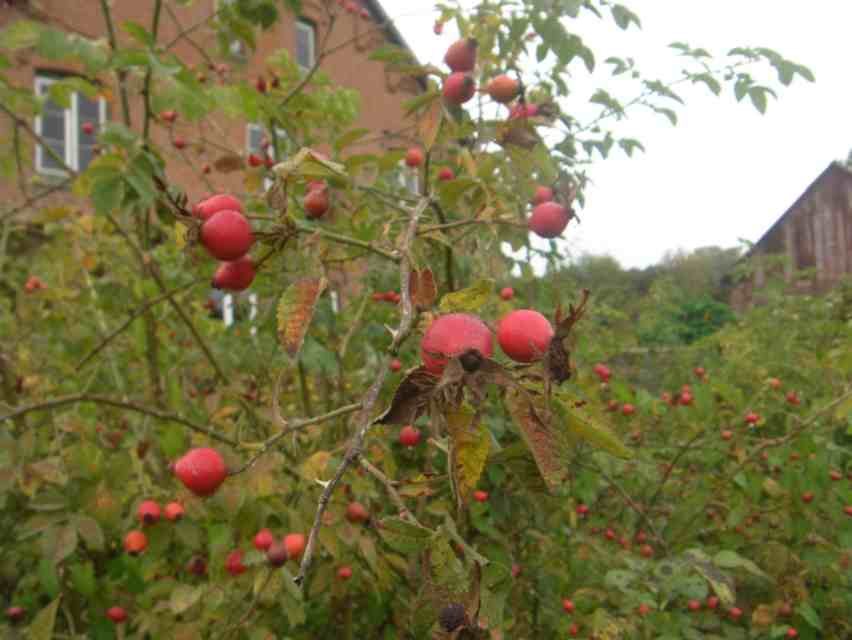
[(409, 178), (72, 124), (282, 136), (302, 24)]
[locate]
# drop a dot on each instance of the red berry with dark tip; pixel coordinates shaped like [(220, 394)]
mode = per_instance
[(116, 614), (234, 563), (168, 116), (174, 511), (461, 55), (452, 335), (459, 88), (446, 174), (524, 335), (179, 142), (236, 275), (15, 614), (694, 605), (712, 602), (344, 573), (227, 235), (197, 566), (395, 365), (148, 512), (480, 496), (628, 409), (548, 219), (255, 160), (409, 436), (135, 542), (357, 513), (263, 540), (568, 605), (507, 293), (316, 202), (88, 128), (414, 157), (201, 470)]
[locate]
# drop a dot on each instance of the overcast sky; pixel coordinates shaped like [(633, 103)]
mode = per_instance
[(724, 172)]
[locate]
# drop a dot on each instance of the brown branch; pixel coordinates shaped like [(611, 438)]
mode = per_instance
[(365, 417), (133, 317), (354, 242), (404, 512), (146, 91), (121, 74), (121, 404), (59, 186)]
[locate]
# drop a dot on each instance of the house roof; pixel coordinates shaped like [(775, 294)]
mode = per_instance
[(377, 10), (833, 166)]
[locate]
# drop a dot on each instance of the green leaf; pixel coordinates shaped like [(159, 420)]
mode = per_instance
[(41, 628), (758, 98), (107, 194), (138, 33), (349, 138), (83, 579), (810, 615), (65, 543), (709, 81), (90, 531), (624, 17), (20, 34), (295, 311), (471, 299), (470, 443), (583, 426), (403, 536), (495, 588), (184, 597), (728, 559)]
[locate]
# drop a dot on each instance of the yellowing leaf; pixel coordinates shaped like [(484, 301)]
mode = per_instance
[(470, 443), (183, 597), (471, 299), (314, 467), (423, 289), (430, 123), (583, 426), (307, 163), (180, 235), (295, 311), (41, 627)]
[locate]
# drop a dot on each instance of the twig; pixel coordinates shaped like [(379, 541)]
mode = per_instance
[(120, 73), (146, 91), (121, 404), (136, 314), (59, 186), (354, 242), (364, 421), (404, 512), (670, 467)]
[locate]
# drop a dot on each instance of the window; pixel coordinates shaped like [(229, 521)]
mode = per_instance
[(63, 129), (305, 44), (257, 138), (407, 177)]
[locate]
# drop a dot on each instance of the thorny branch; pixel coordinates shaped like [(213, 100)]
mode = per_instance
[(365, 416)]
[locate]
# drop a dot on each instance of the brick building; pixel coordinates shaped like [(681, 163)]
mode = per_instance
[(357, 32), (814, 235)]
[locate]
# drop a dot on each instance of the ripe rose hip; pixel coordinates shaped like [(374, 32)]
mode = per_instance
[(549, 219), (524, 335), (135, 542), (116, 614), (214, 204), (148, 512), (255, 160), (480, 496), (168, 116), (507, 293), (438, 28), (523, 111), (807, 497), (644, 610), (699, 372), (628, 409), (234, 276), (582, 510), (694, 605), (712, 602), (234, 563), (459, 88), (752, 418), (174, 511), (646, 551), (792, 633), (357, 513), (201, 470), (263, 540), (344, 573), (446, 174), (685, 398), (461, 55), (414, 157), (395, 365), (316, 202), (568, 605), (542, 194), (197, 566), (573, 630), (409, 436), (227, 235), (276, 554), (793, 399), (33, 283), (502, 89), (295, 544), (88, 128), (727, 435), (15, 614), (179, 142), (735, 613), (452, 335)]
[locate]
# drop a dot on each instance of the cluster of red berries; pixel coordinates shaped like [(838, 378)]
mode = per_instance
[(227, 236), (387, 296), (549, 218), (148, 513), (290, 547)]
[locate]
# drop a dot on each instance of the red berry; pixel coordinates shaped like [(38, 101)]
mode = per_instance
[(255, 160), (276, 554), (712, 602), (446, 174), (135, 542), (752, 418), (357, 513), (641, 537), (260, 85), (516, 570), (793, 399), (227, 235), (234, 276), (775, 383), (148, 512), (116, 614), (480, 496), (234, 563), (174, 511), (414, 157), (197, 566), (609, 534), (179, 142), (395, 365), (727, 435), (646, 551), (452, 335), (168, 116), (214, 204), (807, 497), (461, 55), (409, 436), (549, 219), (316, 202), (15, 614), (503, 89), (263, 540), (542, 194), (835, 475), (523, 111), (644, 610), (295, 544), (785, 610), (206, 169), (459, 88), (201, 470), (735, 613), (568, 605), (365, 15), (507, 293), (582, 510), (694, 605), (792, 633), (685, 398), (628, 409), (88, 128), (573, 630), (848, 510), (524, 335), (438, 28), (344, 573), (33, 283)]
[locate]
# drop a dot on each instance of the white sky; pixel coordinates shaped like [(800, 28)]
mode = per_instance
[(724, 172)]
